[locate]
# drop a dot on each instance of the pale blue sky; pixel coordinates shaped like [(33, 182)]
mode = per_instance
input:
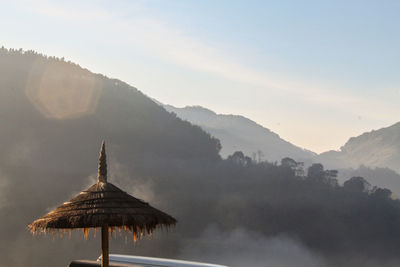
[(315, 72)]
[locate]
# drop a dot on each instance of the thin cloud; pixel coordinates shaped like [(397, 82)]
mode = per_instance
[(168, 43)]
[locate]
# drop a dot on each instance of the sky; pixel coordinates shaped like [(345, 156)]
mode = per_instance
[(314, 72)]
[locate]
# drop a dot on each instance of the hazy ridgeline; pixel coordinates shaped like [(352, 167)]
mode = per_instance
[(240, 133), (378, 148), (53, 115)]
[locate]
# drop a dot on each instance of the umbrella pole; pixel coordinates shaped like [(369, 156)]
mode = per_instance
[(104, 246)]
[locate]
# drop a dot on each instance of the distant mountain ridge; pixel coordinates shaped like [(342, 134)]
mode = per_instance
[(377, 148), (240, 133)]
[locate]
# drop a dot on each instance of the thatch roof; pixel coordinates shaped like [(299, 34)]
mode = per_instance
[(103, 204)]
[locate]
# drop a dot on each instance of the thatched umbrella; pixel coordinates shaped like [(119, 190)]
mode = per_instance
[(105, 206)]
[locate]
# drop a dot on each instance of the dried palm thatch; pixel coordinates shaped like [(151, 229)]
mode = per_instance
[(105, 206)]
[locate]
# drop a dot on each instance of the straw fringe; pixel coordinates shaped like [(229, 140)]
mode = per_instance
[(103, 204)]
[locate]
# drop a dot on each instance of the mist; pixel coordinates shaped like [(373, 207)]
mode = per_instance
[(242, 247), (233, 211)]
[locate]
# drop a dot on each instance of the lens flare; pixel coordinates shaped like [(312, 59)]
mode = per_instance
[(62, 91)]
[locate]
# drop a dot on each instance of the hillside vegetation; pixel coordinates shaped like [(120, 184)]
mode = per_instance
[(380, 148), (239, 133)]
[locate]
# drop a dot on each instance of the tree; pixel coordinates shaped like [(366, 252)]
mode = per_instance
[(260, 155), (315, 171), (289, 162), (330, 177), (296, 167), (381, 193), (238, 158), (357, 184)]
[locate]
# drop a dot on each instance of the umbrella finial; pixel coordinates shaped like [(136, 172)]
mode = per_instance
[(102, 173)]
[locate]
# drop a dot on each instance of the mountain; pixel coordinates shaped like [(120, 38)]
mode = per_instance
[(238, 133), (378, 148), (53, 116), (52, 103)]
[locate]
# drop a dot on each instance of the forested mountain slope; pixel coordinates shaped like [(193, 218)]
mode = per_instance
[(47, 104), (238, 133), (378, 148)]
